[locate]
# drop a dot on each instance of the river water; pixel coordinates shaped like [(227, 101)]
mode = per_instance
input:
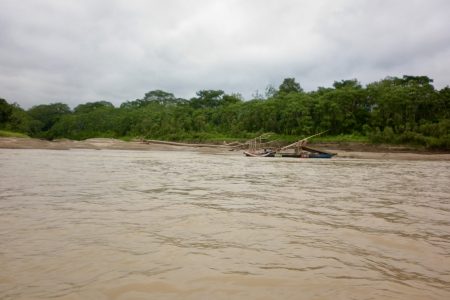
[(86, 224)]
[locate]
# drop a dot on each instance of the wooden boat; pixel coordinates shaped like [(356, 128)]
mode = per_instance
[(294, 150), (305, 154)]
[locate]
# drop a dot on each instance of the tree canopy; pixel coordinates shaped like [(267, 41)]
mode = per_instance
[(404, 109), (289, 85)]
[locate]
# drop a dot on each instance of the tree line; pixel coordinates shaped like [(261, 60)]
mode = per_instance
[(394, 110)]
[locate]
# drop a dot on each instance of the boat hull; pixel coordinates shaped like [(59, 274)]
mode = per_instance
[(308, 155), (291, 155)]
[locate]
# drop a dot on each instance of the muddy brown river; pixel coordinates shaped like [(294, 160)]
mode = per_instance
[(86, 224)]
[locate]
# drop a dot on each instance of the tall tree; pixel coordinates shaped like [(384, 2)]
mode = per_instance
[(207, 98), (91, 106), (49, 114), (5, 111), (289, 85)]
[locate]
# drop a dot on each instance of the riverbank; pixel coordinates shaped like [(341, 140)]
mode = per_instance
[(344, 150), (65, 144)]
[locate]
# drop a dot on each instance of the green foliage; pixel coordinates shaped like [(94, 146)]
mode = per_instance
[(91, 106), (207, 99), (48, 114), (5, 111), (153, 97), (87, 122), (14, 119), (5, 133), (394, 110), (289, 85), (345, 138)]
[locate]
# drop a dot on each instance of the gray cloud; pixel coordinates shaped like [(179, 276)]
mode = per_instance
[(78, 51)]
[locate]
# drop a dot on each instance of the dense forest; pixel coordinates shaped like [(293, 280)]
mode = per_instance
[(407, 110)]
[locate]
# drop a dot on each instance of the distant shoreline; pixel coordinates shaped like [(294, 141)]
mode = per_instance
[(344, 150)]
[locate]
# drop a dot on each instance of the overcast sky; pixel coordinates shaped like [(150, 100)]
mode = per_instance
[(78, 51)]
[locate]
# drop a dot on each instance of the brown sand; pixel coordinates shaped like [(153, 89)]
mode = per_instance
[(356, 151), (64, 144)]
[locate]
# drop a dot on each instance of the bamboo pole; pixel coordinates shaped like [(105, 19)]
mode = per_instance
[(303, 141)]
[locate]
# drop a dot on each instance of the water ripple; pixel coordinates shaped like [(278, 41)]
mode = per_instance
[(112, 224)]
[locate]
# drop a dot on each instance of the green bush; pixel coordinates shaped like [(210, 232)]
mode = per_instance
[(6, 133), (412, 138), (442, 143)]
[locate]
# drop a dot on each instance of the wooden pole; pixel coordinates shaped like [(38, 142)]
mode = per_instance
[(297, 143)]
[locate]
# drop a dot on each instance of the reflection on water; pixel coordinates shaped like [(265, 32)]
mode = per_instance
[(85, 224)]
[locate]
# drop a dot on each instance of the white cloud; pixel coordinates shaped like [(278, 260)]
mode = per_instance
[(79, 51)]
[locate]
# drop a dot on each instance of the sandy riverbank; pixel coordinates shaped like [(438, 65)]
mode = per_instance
[(96, 144), (343, 151)]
